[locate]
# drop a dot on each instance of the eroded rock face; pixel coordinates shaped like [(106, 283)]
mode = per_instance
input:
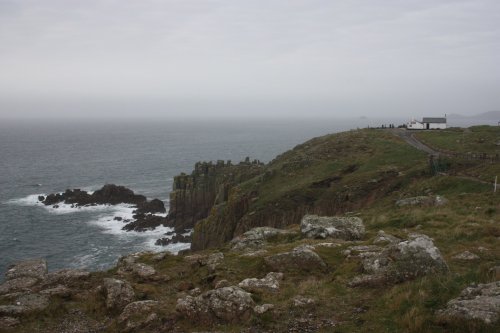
[(270, 283), (118, 293), (153, 206), (398, 261), (36, 268), (347, 228), (144, 223), (300, 258), (67, 277), (16, 285), (256, 238), (194, 195), (480, 302), (224, 305)]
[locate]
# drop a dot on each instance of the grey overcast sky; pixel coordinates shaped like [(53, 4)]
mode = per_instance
[(190, 58)]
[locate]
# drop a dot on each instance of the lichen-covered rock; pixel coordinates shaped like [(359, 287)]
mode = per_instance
[(18, 284), (480, 302), (422, 201), (214, 260), (221, 284), (302, 301), (224, 305), (417, 256), (138, 314), (270, 283), (66, 277), (118, 293), (300, 258), (36, 268), (347, 228), (12, 310), (60, 290), (33, 302), (466, 256), (397, 262), (256, 238), (261, 309), (130, 265)]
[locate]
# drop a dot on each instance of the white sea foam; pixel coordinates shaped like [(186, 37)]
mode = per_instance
[(30, 200), (105, 220)]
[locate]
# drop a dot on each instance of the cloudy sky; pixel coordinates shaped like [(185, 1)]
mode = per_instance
[(190, 58)]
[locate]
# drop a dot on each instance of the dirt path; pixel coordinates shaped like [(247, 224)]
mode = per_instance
[(410, 138)]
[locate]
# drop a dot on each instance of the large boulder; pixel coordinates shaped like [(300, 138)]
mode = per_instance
[(479, 302), (397, 262), (300, 258), (256, 237), (223, 305), (138, 314), (417, 256), (114, 194), (347, 228), (150, 207), (270, 283), (36, 268), (118, 293)]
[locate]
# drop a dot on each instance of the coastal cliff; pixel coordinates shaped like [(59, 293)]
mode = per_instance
[(325, 176), (209, 184)]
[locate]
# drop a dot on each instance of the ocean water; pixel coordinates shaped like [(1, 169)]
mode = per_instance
[(41, 157)]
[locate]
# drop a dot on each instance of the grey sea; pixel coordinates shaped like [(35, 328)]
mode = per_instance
[(41, 157)]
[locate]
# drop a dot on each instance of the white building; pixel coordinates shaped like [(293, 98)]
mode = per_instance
[(427, 123)]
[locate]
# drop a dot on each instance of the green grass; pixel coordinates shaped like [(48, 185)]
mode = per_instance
[(480, 139)]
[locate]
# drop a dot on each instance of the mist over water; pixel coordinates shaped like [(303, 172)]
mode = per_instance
[(38, 158)]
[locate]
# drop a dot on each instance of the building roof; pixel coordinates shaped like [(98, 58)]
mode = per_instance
[(434, 120)]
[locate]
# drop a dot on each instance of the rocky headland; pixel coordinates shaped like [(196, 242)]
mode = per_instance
[(352, 232), (144, 214)]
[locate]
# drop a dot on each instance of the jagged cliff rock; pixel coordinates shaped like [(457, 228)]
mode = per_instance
[(194, 195), (325, 176)]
